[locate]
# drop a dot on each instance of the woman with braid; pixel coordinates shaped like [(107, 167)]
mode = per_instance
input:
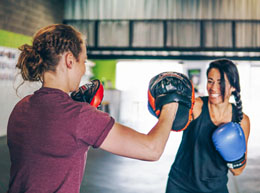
[(50, 131), (215, 142)]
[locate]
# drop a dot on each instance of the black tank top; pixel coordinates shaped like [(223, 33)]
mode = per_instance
[(198, 167)]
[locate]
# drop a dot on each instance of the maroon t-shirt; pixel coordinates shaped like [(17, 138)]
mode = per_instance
[(48, 137)]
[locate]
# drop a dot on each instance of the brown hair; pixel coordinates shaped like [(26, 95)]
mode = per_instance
[(46, 49)]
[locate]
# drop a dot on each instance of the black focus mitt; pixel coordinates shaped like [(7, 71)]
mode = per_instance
[(168, 87)]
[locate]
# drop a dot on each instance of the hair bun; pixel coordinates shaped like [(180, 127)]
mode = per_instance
[(30, 63)]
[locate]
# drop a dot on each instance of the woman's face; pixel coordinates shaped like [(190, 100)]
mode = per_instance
[(214, 88), (82, 60), (80, 66)]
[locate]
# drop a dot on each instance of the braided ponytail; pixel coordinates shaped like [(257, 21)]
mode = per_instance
[(49, 43), (238, 105)]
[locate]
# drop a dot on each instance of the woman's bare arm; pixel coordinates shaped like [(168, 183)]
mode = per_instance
[(127, 142)]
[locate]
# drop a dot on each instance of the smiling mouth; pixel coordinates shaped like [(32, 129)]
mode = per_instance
[(215, 95)]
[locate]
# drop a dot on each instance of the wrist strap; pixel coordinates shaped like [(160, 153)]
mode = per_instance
[(238, 163)]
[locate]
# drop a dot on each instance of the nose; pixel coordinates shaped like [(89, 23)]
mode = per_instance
[(214, 87)]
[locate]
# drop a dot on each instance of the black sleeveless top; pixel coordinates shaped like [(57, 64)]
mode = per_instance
[(198, 167)]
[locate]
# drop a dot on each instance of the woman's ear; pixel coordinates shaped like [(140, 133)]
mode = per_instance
[(69, 59), (232, 89)]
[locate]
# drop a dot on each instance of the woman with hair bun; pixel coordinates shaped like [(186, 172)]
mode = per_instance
[(216, 139), (49, 133)]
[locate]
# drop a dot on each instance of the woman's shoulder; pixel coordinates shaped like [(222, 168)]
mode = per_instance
[(245, 117), (199, 101), (197, 107), (245, 121)]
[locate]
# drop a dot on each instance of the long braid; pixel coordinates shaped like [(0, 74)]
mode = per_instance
[(238, 105)]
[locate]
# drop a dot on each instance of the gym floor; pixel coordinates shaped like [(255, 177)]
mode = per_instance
[(108, 173)]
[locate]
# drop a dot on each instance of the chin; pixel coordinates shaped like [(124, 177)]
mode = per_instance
[(215, 100), (74, 88)]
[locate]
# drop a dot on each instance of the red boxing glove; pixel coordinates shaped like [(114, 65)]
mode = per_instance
[(91, 92)]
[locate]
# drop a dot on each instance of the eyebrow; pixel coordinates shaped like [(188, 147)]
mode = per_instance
[(212, 79)]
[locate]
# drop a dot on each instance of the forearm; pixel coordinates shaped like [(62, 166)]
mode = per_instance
[(127, 142), (238, 171), (159, 134)]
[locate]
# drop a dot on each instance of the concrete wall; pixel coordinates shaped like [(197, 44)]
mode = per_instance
[(27, 16)]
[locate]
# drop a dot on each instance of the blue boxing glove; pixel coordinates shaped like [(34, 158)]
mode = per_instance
[(229, 140)]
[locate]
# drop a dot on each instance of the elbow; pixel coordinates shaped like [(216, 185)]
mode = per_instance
[(155, 157), (236, 172), (153, 148), (155, 153)]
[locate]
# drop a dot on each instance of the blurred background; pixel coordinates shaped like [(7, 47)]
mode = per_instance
[(128, 42)]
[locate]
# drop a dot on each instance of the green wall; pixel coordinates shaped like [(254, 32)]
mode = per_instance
[(105, 70), (13, 40)]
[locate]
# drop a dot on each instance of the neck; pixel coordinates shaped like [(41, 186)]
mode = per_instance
[(220, 113), (55, 80), (219, 107)]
